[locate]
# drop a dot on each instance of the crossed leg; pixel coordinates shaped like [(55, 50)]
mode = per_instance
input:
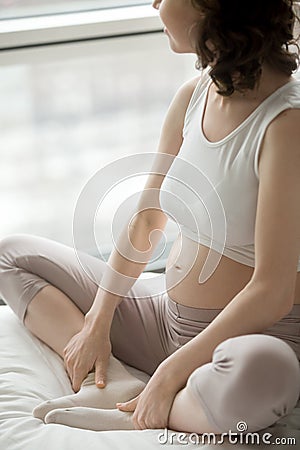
[(234, 386)]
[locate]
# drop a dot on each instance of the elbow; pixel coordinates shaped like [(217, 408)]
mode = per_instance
[(152, 219), (286, 304), (278, 301), (279, 306)]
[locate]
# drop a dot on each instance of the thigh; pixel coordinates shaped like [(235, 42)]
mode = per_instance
[(74, 273), (139, 331)]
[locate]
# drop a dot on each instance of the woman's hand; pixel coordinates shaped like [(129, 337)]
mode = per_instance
[(152, 406), (85, 351)]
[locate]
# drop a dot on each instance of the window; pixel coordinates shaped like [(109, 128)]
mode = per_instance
[(10, 9), (68, 110), (46, 30)]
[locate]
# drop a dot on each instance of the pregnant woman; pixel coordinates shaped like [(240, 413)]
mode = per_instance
[(224, 347)]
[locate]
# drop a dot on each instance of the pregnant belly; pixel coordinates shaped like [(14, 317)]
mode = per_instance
[(183, 268)]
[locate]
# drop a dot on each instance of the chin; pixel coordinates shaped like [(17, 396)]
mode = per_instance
[(177, 48)]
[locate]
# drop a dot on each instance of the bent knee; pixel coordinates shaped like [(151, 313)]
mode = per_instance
[(10, 247), (254, 350), (255, 378), (259, 363)]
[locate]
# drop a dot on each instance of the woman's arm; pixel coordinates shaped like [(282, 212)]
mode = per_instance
[(91, 347), (270, 293), (134, 242)]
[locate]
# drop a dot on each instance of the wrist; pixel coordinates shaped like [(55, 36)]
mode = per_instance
[(99, 324), (170, 375), (102, 311)]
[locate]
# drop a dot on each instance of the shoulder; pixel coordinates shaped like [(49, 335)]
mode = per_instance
[(188, 87), (189, 91), (285, 127), (185, 92), (175, 117), (184, 101), (281, 139), (287, 119)]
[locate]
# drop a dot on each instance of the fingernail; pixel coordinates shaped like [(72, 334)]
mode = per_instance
[(119, 404), (101, 383)]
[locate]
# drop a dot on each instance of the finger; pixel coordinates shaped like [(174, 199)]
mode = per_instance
[(128, 406), (137, 422), (77, 381), (141, 425), (69, 371), (100, 372)]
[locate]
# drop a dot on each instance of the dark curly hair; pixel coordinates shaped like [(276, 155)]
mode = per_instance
[(236, 38)]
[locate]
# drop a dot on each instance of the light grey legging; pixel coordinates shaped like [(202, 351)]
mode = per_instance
[(252, 378)]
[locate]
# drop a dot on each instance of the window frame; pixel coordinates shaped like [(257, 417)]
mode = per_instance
[(54, 29)]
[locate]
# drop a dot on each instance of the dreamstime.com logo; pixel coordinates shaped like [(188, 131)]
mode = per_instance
[(238, 437), (190, 192)]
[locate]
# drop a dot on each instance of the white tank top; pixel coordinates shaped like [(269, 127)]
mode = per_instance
[(211, 188)]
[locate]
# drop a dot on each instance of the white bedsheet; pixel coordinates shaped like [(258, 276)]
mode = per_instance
[(30, 373)]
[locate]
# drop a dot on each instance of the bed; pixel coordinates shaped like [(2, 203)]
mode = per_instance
[(30, 372)]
